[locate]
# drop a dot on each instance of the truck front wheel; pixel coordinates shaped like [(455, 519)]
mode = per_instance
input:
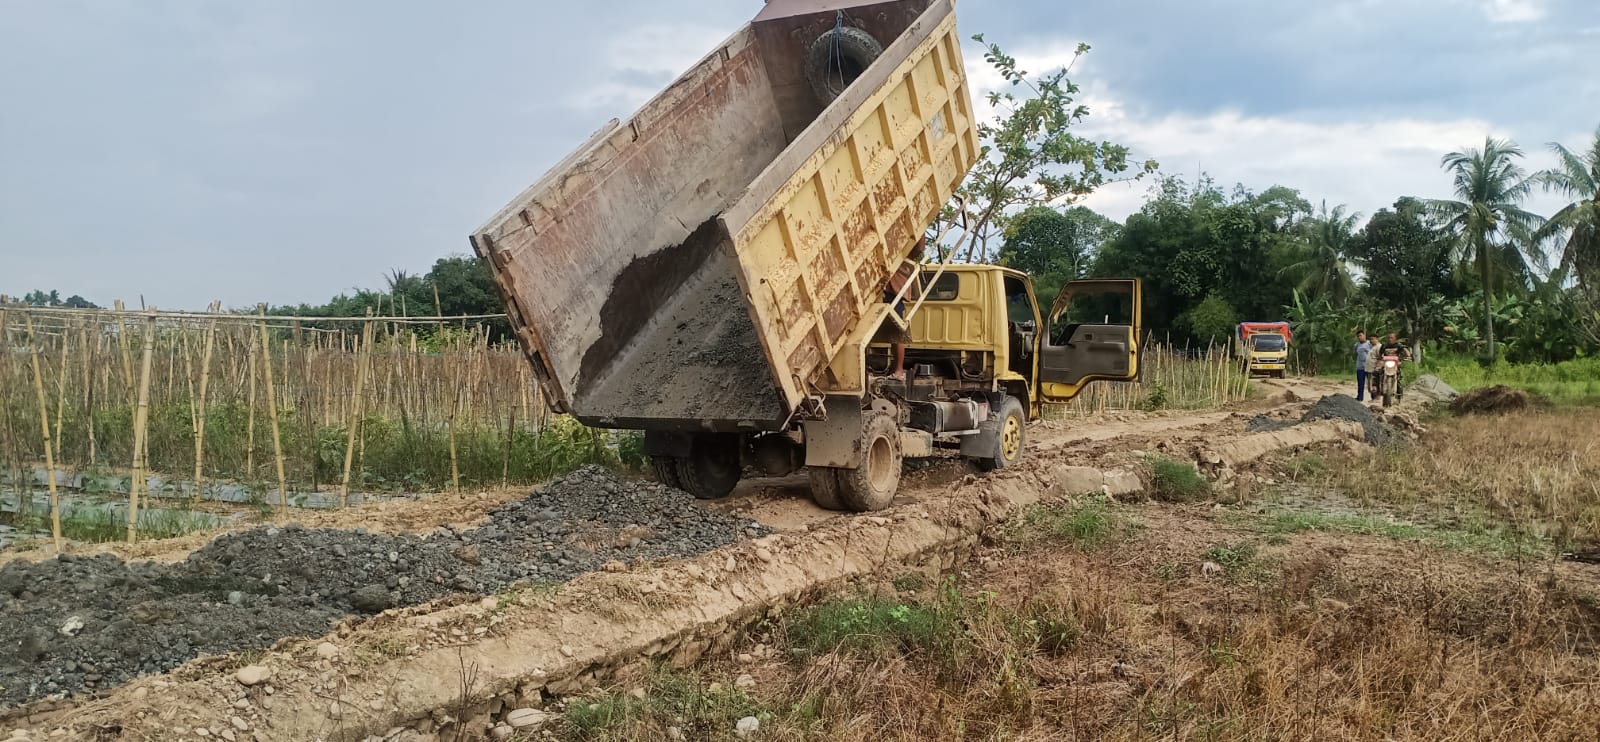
[(872, 484), (1009, 431)]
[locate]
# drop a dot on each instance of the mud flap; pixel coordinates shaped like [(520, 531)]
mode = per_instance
[(667, 443), (986, 441), (836, 441), (983, 443), (916, 444)]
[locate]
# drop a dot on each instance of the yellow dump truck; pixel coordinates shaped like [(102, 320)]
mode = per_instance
[(713, 270)]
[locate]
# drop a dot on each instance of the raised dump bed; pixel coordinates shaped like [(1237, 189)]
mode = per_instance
[(697, 266)]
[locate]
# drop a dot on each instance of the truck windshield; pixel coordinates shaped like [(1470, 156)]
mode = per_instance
[(1268, 342)]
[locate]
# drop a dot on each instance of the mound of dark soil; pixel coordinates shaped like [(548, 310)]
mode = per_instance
[(1345, 407), (1495, 400), (76, 623)]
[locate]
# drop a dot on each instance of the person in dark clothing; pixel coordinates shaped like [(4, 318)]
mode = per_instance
[(1393, 347)]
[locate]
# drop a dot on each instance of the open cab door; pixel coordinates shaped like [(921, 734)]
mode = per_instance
[(1092, 334)]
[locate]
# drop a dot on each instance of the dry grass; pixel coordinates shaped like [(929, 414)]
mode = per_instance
[(1192, 625), (1169, 379), (1536, 472), (1360, 639)]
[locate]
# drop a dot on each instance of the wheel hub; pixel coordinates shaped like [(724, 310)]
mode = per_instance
[(1011, 439)]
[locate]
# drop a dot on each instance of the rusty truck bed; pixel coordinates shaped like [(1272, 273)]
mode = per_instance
[(696, 266)]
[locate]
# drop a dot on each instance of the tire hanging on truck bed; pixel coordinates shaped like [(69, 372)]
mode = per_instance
[(837, 58)]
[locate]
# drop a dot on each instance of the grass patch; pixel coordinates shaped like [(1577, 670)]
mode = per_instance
[(1285, 522), (105, 525), (671, 699), (1178, 481), (1237, 559), (1575, 382), (1477, 536), (1089, 522), (872, 626), (395, 453), (1531, 473)]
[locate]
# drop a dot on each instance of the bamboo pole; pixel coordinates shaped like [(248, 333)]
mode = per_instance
[(455, 469), (200, 402), (141, 424), (362, 361), (250, 418), (7, 434), (122, 340), (88, 388), (44, 429), (61, 384), (272, 412)]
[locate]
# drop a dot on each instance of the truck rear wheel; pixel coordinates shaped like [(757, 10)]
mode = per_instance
[(872, 485), (712, 469), (665, 469), (1010, 432), (825, 487)]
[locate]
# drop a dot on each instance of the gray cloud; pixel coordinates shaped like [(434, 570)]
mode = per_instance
[(286, 151)]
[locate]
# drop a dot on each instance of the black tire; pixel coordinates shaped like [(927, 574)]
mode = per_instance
[(1388, 398), (665, 468), (1010, 432), (712, 469), (837, 58), (873, 484), (825, 487)]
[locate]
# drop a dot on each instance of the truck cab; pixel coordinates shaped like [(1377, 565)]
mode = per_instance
[(1265, 348), (982, 328), (982, 358)]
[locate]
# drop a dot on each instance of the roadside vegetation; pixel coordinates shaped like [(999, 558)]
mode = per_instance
[(1529, 478), (1185, 630)]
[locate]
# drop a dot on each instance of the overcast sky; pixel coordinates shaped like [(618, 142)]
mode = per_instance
[(289, 150)]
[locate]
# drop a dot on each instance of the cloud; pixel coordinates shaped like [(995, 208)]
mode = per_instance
[(1363, 160), (1514, 11), (642, 60), (1366, 164)]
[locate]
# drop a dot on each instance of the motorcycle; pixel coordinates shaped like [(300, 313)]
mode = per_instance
[(1389, 381)]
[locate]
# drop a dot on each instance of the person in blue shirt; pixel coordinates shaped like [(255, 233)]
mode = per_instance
[(1362, 349)]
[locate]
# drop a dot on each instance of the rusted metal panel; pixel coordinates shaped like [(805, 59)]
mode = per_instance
[(621, 238), (698, 265)]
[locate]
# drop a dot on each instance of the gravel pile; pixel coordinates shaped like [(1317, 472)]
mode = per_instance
[(1345, 407), (77, 623), (1264, 424)]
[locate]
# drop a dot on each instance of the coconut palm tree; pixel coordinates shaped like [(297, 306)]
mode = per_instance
[(1487, 213), (1576, 176), (1324, 272)]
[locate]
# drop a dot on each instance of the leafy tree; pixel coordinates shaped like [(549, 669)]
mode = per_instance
[(1054, 246), (52, 298), (1191, 242), (1030, 155), (1324, 270), (1212, 320), (38, 298), (1490, 187), (1576, 177), (464, 285), (1408, 266)]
